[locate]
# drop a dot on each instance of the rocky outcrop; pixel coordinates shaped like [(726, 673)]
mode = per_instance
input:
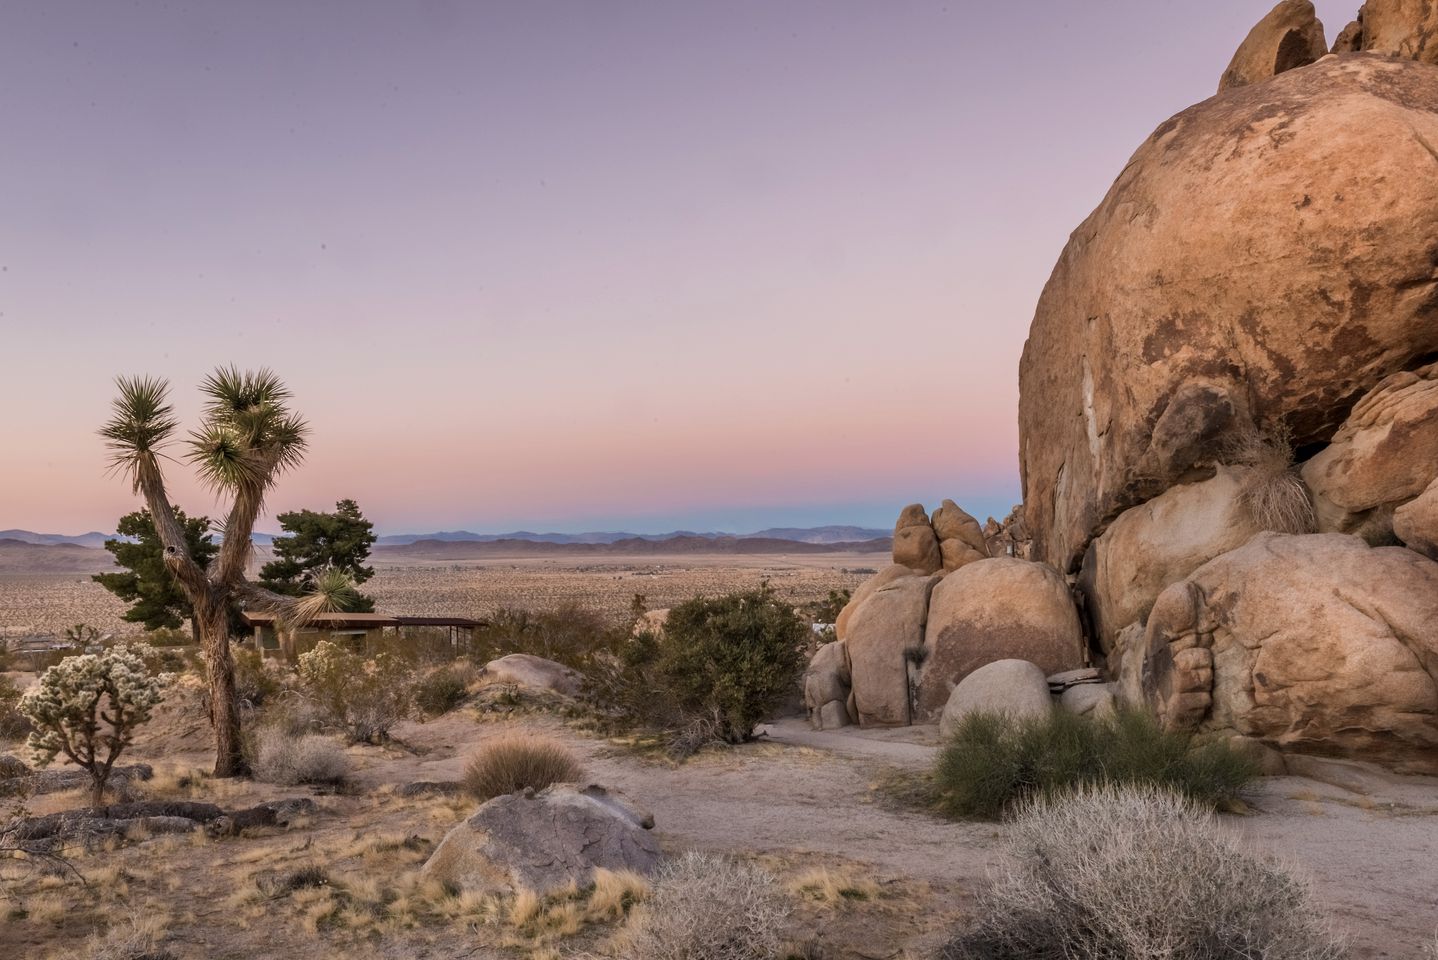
[(1416, 522), (1384, 455), (1315, 643), (1400, 28), (1349, 39), (1009, 538), (996, 609), (865, 590), (543, 842), (885, 639), (1290, 36), (827, 687), (1013, 687), (537, 673), (1158, 543), (915, 544), (1310, 196)]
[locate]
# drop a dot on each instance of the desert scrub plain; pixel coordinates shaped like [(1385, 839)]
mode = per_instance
[(829, 838), (48, 602)]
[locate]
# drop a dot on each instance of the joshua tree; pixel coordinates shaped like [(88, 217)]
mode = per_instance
[(248, 437)]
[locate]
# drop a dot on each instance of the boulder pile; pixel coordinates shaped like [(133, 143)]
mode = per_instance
[(1228, 428)]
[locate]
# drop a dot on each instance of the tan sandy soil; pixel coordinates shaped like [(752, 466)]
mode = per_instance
[(795, 800), (48, 602)]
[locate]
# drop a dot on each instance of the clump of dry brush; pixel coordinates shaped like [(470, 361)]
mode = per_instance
[(1273, 493), (1133, 873)]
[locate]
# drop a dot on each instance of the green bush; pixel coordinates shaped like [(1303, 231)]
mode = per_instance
[(994, 761), (255, 683), (733, 658), (441, 690)]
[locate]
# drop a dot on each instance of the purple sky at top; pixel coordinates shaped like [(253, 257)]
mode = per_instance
[(584, 265)]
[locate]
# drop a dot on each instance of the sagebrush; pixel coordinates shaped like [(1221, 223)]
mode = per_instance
[(513, 762), (993, 761), (707, 907), (1137, 873), (281, 758)]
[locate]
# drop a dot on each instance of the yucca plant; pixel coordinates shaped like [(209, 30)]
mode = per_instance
[(247, 438)]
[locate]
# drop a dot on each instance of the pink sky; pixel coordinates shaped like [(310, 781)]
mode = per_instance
[(565, 265)]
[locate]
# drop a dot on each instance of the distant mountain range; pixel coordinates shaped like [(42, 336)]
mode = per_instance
[(829, 534), (679, 544), (834, 534), (91, 539)]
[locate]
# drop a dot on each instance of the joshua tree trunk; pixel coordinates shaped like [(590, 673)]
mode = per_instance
[(220, 672)]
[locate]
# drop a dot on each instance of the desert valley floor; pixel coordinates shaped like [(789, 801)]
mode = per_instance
[(796, 801)]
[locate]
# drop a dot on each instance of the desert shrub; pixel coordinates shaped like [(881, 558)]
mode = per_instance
[(366, 697), (13, 724), (729, 660), (278, 757), (441, 690), (828, 609), (993, 761), (571, 635), (516, 761), (707, 907), (255, 682), (89, 707), (1137, 872), (170, 637)]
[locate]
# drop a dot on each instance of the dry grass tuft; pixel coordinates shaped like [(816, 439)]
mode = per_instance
[(1273, 492), (831, 887), (515, 761), (138, 937)]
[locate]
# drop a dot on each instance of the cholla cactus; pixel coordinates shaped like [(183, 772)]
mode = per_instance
[(88, 708)]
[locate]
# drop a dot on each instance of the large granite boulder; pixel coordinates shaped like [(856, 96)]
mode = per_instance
[(866, 589), (1013, 687), (1416, 522), (1160, 542), (916, 546), (884, 639), (995, 609), (543, 842), (1315, 643), (1400, 28), (1384, 455), (1290, 36), (527, 670), (1310, 197), (827, 686)]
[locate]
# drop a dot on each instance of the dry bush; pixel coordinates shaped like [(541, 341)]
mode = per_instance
[(136, 938), (1134, 873), (14, 725), (284, 759), (706, 907), (515, 761), (1273, 493), (366, 696)]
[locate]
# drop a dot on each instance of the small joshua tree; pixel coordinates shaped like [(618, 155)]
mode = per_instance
[(88, 708)]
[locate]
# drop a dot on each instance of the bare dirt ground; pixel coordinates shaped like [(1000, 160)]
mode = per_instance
[(796, 800), (50, 602)]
